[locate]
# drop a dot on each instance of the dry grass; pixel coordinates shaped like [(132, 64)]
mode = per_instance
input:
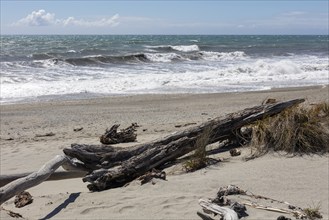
[(199, 159), (313, 213), (298, 130)]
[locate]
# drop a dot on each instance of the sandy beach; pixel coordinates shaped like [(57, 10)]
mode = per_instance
[(302, 181)]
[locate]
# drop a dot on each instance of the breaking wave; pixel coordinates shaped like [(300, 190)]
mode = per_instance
[(100, 59), (155, 57)]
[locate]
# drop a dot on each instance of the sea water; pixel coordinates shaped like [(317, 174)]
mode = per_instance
[(78, 66)]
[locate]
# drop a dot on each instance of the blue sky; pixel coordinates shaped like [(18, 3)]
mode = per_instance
[(164, 17)]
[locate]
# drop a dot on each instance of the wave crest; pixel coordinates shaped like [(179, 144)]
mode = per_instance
[(181, 48), (100, 59)]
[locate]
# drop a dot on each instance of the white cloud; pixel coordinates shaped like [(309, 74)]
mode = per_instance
[(37, 18), (42, 18), (294, 13), (112, 21)]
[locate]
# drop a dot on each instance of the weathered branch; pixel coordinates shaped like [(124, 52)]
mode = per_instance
[(19, 185)]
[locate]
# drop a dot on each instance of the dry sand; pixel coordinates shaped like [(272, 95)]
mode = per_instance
[(302, 181)]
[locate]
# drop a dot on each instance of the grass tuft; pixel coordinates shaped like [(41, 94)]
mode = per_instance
[(313, 213), (298, 130), (199, 159)]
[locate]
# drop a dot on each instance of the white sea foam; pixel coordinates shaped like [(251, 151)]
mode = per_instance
[(213, 56), (186, 48), (44, 63), (182, 48), (163, 57), (111, 65), (238, 75)]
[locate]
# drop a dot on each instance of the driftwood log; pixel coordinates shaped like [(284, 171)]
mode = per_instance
[(21, 184), (226, 213), (242, 199), (113, 166), (71, 171), (58, 175), (15, 184), (217, 206), (112, 136), (110, 166)]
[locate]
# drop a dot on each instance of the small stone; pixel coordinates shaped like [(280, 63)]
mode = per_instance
[(235, 152), (77, 129)]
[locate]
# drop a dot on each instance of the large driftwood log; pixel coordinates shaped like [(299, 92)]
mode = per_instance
[(19, 185), (113, 166)]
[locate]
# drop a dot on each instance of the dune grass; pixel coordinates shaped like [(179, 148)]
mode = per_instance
[(298, 130)]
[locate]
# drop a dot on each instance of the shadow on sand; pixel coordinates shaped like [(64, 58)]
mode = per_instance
[(70, 199)]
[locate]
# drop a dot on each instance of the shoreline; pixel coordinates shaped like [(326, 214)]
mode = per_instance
[(299, 180), (90, 96)]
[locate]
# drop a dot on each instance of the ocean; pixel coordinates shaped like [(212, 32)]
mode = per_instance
[(48, 67)]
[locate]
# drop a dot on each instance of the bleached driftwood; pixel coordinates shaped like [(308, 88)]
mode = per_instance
[(226, 213), (298, 213), (114, 166), (58, 175), (71, 171), (19, 185), (231, 190), (268, 208)]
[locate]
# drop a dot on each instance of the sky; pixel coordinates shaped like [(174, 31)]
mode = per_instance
[(164, 17)]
